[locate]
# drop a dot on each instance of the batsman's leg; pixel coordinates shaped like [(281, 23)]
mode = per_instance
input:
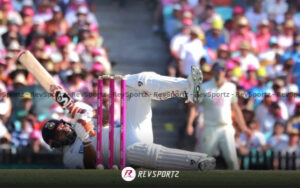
[(155, 156), (163, 87), (155, 84)]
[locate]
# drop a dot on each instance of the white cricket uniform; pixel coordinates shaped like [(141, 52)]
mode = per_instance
[(218, 131), (73, 155), (141, 89)]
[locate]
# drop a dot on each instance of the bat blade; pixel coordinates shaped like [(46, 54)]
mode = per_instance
[(33, 66)]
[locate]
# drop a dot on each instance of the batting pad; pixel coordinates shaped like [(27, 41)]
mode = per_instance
[(155, 156)]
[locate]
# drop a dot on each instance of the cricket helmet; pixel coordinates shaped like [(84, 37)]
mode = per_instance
[(49, 130)]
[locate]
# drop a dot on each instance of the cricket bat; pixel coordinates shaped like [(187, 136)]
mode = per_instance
[(56, 91), (45, 79)]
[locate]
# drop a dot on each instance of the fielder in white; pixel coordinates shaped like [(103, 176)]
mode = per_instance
[(79, 147), (218, 99)]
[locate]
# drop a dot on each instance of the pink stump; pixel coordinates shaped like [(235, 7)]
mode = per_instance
[(99, 121), (111, 121), (123, 124)]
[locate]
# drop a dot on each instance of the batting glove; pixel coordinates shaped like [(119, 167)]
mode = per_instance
[(82, 114)]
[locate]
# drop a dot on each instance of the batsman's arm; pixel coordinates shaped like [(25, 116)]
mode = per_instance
[(89, 155), (49, 84)]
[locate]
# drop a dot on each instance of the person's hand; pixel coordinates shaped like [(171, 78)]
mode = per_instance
[(83, 113), (189, 130), (248, 133)]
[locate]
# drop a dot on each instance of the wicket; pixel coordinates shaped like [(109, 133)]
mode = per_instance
[(111, 120)]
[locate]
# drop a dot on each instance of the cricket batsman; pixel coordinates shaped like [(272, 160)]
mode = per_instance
[(79, 146), (218, 99)]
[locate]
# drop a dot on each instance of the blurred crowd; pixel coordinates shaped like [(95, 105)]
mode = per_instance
[(64, 36), (258, 42)]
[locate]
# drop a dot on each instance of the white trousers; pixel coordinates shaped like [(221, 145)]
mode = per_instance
[(222, 137), (142, 88)]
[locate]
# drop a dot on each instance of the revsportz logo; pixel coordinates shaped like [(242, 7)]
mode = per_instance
[(128, 174), (158, 174)]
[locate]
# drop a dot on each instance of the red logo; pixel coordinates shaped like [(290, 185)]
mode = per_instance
[(127, 173)]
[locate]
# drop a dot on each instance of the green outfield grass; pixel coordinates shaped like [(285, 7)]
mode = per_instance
[(110, 178)]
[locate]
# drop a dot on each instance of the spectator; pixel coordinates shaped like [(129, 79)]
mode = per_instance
[(255, 15), (293, 124), (36, 141), (238, 12), (269, 57), (223, 53), (5, 110), (251, 80), (276, 9), (5, 136), (243, 103), (267, 124), (209, 16), (28, 107), (38, 26), (278, 88), (19, 81), (274, 69), (263, 36), (81, 21), (104, 63), (263, 108), (27, 15), (12, 33), (176, 44), (57, 25), (279, 138), (3, 73), (257, 141), (181, 38), (286, 39), (191, 52), (258, 92), (247, 58), (291, 99), (21, 134), (26, 4), (77, 85), (10, 64), (74, 8), (215, 37), (9, 13), (199, 10), (288, 70), (287, 149), (241, 34), (44, 11)]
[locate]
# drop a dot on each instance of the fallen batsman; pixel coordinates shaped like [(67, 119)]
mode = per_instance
[(79, 143)]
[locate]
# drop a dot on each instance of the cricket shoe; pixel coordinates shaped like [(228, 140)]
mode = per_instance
[(209, 163), (195, 80)]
